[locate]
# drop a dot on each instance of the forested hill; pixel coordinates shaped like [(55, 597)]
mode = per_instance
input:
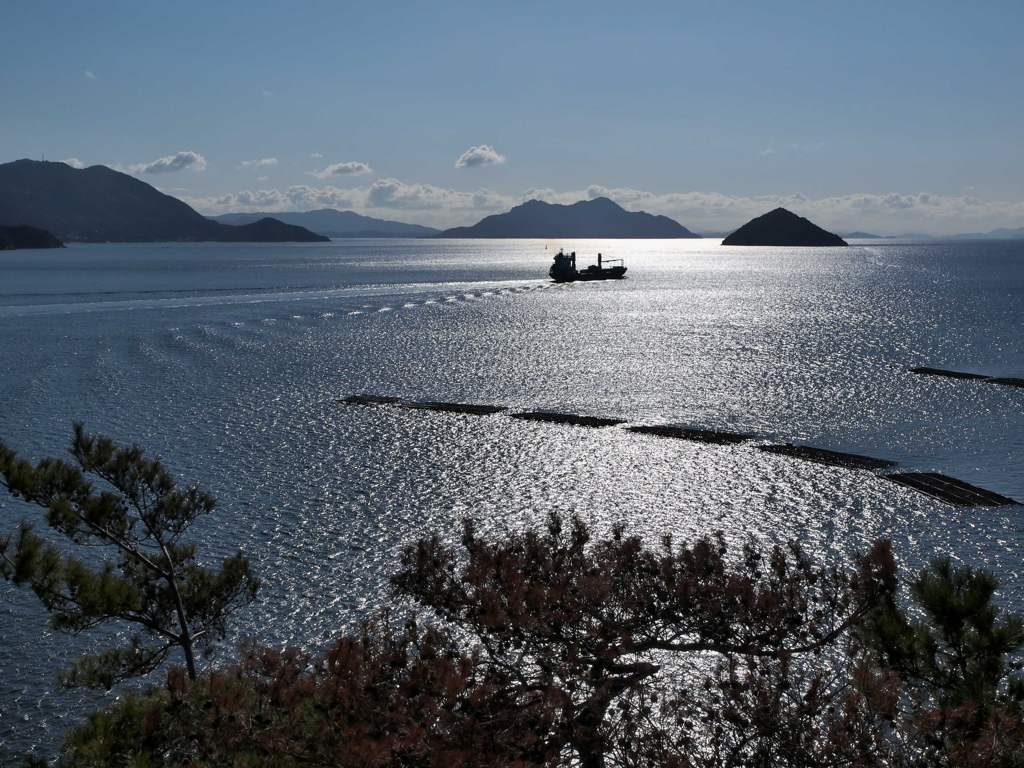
[(12, 238), (99, 204), (599, 217)]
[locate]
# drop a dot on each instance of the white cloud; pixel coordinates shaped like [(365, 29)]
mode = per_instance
[(316, 155), (432, 205), (392, 193), (269, 94), (172, 163), (623, 196), (88, 75), (257, 164), (74, 162), (304, 198), (343, 169), (486, 200), (476, 157), (545, 194), (296, 198)]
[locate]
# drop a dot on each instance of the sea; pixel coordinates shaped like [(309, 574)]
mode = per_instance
[(229, 361)]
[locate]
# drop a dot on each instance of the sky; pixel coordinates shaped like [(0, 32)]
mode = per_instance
[(887, 117)]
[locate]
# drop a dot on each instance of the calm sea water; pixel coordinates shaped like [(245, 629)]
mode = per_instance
[(228, 360)]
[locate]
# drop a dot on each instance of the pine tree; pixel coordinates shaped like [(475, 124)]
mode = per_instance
[(955, 655), (580, 636), (958, 649), (150, 580)]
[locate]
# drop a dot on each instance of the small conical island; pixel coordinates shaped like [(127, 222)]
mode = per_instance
[(782, 227)]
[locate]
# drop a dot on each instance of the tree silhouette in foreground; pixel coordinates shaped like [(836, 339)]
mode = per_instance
[(116, 498), (587, 637), (956, 659), (548, 649)]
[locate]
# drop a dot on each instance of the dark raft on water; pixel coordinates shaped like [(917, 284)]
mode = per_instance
[(564, 269), (949, 489), (825, 456), (370, 400), (686, 433), (1008, 381), (938, 486), (925, 371), (782, 227), (567, 418), (470, 408)]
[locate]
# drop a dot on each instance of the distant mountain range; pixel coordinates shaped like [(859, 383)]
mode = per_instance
[(995, 234), (588, 218), (782, 227), (334, 223), (99, 204)]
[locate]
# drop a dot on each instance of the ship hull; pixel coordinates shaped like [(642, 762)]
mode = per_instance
[(570, 276)]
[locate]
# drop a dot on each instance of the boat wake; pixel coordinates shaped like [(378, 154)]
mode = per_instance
[(264, 298)]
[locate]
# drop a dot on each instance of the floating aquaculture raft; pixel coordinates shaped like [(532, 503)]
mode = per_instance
[(370, 400), (949, 489), (686, 433), (1006, 381), (476, 410), (825, 456), (947, 374), (567, 418)]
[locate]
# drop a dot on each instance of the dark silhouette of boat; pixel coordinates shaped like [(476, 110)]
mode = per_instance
[(564, 269)]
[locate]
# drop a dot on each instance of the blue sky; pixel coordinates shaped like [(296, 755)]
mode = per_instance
[(889, 116)]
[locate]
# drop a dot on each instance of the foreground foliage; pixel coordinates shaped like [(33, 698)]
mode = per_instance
[(150, 580), (550, 649), (583, 639), (954, 667)]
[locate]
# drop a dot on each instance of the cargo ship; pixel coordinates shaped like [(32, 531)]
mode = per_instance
[(564, 269)]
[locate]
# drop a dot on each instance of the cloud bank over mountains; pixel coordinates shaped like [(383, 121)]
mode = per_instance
[(701, 211), (443, 207)]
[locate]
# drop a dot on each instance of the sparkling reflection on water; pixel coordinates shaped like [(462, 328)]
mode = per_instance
[(228, 362)]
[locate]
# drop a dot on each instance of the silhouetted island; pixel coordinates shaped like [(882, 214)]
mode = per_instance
[(99, 204), (267, 230), (12, 238), (599, 217), (782, 227), (334, 223)]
